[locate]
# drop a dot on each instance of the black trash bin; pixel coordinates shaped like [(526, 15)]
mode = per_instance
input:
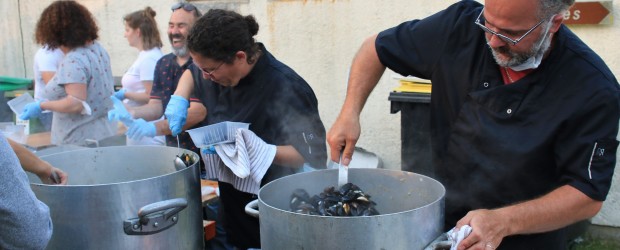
[(415, 130)]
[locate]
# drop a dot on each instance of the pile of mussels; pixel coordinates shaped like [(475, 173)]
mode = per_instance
[(349, 200)]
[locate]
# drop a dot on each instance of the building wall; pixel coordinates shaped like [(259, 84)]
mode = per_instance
[(317, 38)]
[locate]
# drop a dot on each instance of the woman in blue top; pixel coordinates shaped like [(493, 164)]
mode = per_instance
[(25, 221)]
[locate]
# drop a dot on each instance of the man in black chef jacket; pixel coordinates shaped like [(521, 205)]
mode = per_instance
[(524, 117)]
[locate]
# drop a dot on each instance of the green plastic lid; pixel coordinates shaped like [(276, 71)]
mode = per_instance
[(13, 83)]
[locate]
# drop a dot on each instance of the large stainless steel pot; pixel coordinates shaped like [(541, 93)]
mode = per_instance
[(126, 197), (411, 207)]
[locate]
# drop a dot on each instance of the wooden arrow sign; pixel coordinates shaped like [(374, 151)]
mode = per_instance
[(598, 12)]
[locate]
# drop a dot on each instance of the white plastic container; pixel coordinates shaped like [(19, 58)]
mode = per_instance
[(223, 132), (18, 104)]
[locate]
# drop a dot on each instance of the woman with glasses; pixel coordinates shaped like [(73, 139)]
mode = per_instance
[(524, 117), (142, 33), (239, 80), (80, 90)]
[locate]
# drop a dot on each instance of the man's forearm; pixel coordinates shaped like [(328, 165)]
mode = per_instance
[(151, 111), (563, 206), (138, 97), (365, 72)]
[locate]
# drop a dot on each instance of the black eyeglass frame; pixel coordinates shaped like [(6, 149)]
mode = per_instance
[(210, 73), (504, 37), (186, 6)]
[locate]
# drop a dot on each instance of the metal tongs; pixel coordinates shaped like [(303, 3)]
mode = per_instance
[(343, 172)]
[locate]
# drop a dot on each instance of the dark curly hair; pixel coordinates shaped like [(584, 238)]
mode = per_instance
[(219, 34), (65, 23), (144, 20)]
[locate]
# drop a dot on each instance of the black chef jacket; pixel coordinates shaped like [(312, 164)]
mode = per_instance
[(282, 110), (494, 144)]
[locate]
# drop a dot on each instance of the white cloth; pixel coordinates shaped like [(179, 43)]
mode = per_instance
[(86, 108), (45, 60), (215, 169), (247, 160), (457, 235)]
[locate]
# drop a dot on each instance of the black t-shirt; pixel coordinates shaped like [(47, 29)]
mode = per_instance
[(282, 110), (495, 144)]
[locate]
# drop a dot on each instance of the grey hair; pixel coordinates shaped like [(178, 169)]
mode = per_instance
[(550, 8)]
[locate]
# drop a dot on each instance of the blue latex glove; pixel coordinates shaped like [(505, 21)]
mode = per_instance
[(176, 113), (141, 128), (31, 110), (120, 94), (209, 150), (119, 112)]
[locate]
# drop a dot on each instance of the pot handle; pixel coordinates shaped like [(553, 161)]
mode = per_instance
[(155, 217), (252, 208)]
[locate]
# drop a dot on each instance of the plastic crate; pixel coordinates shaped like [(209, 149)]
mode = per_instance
[(223, 132)]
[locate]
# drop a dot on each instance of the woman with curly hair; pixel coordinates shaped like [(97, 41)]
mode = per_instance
[(141, 33), (239, 80), (78, 94)]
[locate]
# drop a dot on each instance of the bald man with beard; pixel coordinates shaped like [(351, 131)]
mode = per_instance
[(524, 117)]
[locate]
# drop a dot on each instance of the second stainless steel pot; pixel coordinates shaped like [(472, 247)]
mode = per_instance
[(126, 197), (411, 208)]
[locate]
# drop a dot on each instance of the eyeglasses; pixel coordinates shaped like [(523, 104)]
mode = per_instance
[(504, 37), (186, 6), (210, 73)]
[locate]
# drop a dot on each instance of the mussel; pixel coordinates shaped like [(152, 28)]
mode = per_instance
[(348, 200)]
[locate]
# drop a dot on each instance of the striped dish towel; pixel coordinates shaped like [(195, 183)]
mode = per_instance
[(243, 163)]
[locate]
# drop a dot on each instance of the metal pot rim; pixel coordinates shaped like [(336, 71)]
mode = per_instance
[(435, 201), (194, 155)]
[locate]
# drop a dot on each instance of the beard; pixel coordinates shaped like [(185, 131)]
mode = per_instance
[(182, 51), (519, 58)]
